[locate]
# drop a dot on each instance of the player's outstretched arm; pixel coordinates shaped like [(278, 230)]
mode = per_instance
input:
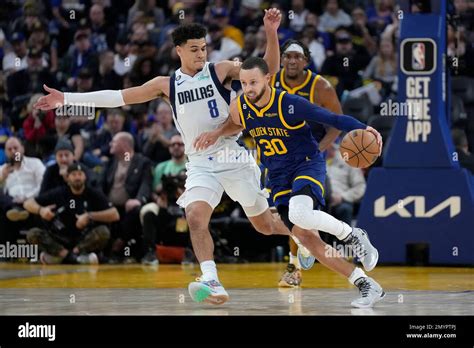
[(271, 22), (231, 69), (231, 126), (105, 98)]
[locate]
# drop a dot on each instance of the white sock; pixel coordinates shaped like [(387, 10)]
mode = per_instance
[(356, 274), (294, 261), (320, 220), (209, 270)]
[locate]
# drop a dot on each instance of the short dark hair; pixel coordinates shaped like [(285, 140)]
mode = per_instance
[(255, 62), (289, 42), (186, 32)]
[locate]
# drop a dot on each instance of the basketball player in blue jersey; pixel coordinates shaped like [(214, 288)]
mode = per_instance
[(295, 79), (278, 122)]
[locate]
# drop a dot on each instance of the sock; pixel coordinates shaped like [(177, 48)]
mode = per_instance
[(356, 274), (294, 261), (209, 270)]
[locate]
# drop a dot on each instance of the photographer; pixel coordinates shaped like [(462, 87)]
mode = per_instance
[(76, 218), (168, 184)]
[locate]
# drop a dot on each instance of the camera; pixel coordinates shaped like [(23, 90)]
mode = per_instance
[(171, 184)]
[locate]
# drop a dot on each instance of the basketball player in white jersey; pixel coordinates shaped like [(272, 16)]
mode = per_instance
[(199, 93)]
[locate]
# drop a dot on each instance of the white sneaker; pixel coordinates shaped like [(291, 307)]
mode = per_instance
[(210, 291), (88, 259), (371, 293), (48, 259), (363, 249)]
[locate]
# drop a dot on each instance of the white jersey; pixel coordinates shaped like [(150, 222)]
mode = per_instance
[(200, 104)]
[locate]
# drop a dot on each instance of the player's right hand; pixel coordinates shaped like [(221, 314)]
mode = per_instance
[(47, 213), (53, 100), (204, 140)]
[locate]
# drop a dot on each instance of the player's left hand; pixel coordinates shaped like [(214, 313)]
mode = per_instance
[(272, 19), (204, 140), (377, 136), (82, 221)]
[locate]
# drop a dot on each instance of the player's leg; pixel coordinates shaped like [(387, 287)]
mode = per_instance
[(203, 193), (302, 214)]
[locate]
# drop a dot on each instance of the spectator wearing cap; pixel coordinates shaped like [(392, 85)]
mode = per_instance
[(106, 77), (298, 17), (156, 138), (31, 79), (127, 183), (20, 179), (80, 56), (362, 33), (221, 47), (76, 217), (84, 81), (18, 55), (221, 17), (123, 59), (56, 174), (40, 40), (346, 63), (250, 14), (333, 17), (66, 129), (103, 35), (36, 126)]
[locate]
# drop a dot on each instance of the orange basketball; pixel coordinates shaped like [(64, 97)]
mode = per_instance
[(359, 148)]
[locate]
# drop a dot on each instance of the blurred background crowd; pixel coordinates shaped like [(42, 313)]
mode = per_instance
[(88, 45)]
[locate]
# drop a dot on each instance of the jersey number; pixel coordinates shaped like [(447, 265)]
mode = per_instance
[(214, 111), (274, 146)]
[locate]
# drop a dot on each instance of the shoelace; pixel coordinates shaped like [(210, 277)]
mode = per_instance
[(359, 249), (364, 287)]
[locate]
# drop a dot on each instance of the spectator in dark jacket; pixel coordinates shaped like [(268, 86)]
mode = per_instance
[(127, 183)]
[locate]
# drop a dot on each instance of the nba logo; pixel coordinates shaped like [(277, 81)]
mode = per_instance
[(418, 56)]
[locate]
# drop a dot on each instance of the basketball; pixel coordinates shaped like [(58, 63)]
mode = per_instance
[(359, 148)]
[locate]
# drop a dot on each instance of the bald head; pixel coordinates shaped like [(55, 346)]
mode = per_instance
[(122, 143)]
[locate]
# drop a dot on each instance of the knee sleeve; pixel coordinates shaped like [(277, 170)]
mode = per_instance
[(283, 212), (301, 212)]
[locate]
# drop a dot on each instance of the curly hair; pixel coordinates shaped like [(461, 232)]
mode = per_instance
[(186, 32)]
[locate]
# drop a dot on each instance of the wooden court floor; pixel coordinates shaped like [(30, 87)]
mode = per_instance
[(162, 290)]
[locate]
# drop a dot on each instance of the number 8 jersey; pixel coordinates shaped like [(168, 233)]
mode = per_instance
[(200, 104), (282, 142)]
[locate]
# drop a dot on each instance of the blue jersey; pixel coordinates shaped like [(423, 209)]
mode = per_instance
[(281, 131), (306, 90), (285, 143)]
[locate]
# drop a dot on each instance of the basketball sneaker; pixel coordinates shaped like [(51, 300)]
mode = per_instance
[(291, 278), (371, 292), (88, 259), (209, 291), (305, 258), (363, 249)]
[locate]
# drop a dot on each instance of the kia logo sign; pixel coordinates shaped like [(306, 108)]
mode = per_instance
[(419, 208)]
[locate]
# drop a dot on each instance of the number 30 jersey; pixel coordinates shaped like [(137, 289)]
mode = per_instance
[(283, 138), (200, 104)]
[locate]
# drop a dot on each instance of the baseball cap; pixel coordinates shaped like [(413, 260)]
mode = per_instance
[(75, 167), (84, 73), (34, 53), (17, 36), (64, 144)]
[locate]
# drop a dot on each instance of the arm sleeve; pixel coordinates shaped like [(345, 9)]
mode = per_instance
[(49, 197), (306, 111)]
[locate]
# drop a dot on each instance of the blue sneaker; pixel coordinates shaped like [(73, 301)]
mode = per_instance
[(210, 291), (305, 258)]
